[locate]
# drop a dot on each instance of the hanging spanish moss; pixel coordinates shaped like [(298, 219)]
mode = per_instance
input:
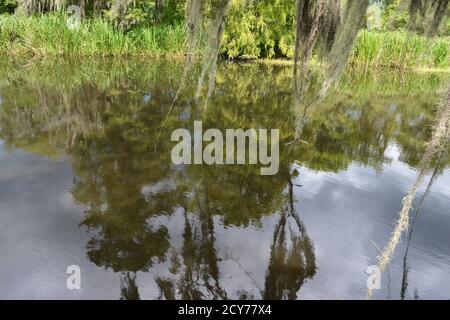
[(437, 144), (330, 25), (29, 7), (435, 8), (309, 15), (216, 28), (316, 21), (343, 44), (416, 7), (316, 24), (194, 15), (118, 13), (416, 215)]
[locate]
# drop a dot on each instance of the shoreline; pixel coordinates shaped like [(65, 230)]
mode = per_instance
[(372, 67), (47, 37), (144, 57)]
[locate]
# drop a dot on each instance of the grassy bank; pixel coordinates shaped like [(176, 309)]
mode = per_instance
[(401, 49), (48, 35)]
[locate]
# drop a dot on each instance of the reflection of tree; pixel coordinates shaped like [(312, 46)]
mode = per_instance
[(199, 275), (354, 123), (110, 185), (128, 287), (436, 146), (126, 183), (201, 271), (290, 267), (46, 122)]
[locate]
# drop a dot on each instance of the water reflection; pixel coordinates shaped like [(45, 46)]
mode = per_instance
[(107, 118), (433, 178), (290, 267)]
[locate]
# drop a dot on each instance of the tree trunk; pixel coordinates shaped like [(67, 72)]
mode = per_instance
[(83, 8), (158, 10)]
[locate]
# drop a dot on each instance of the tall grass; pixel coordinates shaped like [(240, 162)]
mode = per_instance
[(400, 49), (48, 35)]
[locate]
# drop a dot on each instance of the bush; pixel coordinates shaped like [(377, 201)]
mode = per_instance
[(7, 6)]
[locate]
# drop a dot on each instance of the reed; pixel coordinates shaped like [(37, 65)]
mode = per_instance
[(48, 35), (400, 49)]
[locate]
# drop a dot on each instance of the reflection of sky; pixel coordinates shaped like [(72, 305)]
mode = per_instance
[(39, 233), (147, 97), (344, 214), (362, 208)]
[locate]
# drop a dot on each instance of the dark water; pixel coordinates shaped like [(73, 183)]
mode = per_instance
[(86, 179)]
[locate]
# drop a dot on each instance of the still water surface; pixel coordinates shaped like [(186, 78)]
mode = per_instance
[(86, 179)]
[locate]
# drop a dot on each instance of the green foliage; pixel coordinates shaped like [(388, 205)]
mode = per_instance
[(260, 29), (253, 29), (7, 6), (395, 18)]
